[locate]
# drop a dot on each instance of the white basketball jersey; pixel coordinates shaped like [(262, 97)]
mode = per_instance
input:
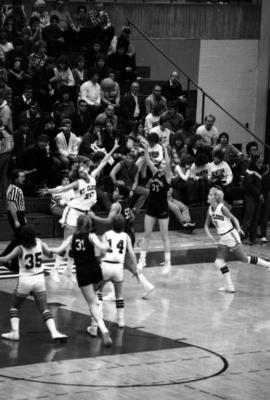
[(222, 223), (30, 263), (85, 195), (118, 246)]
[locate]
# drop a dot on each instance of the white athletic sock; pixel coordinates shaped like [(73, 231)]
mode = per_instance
[(227, 276), (14, 319), (49, 321), (259, 261), (142, 255), (167, 257)]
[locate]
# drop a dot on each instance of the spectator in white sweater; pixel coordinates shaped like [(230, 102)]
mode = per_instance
[(67, 145), (90, 92), (221, 174)]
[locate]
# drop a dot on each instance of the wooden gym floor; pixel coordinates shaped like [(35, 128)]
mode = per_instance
[(188, 341)]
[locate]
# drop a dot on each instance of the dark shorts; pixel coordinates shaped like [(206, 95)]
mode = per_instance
[(159, 214), (88, 274)]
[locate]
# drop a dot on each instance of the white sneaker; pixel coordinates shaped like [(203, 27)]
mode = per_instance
[(141, 264), (109, 297), (264, 240), (92, 330), (227, 289), (12, 335), (59, 337), (148, 291), (166, 269), (107, 339)]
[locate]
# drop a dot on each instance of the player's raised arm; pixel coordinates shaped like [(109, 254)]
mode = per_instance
[(104, 161)]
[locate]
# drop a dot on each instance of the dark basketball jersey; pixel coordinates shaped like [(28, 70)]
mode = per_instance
[(157, 202), (83, 250), (126, 213)]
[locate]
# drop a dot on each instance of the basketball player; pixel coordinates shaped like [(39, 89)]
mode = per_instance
[(88, 271), (157, 208), (121, 207), (85, 198), (228, 230), (31, 280)]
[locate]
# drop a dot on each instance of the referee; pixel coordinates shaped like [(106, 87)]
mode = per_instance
[(15, 209)]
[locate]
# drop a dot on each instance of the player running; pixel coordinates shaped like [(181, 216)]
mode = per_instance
[(228, 230)]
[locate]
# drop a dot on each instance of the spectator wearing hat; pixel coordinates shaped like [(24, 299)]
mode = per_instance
[(41, 13)]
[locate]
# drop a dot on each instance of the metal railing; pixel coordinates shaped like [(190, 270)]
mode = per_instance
[(204, 94)]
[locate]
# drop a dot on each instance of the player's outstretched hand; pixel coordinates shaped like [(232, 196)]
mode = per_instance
[(43, 192)]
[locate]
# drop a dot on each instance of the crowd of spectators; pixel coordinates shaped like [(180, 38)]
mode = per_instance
[(54, 112)]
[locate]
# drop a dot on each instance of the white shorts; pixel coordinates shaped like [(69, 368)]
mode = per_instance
[(112, 271), (230, 239), (69, 217), (31, 283)]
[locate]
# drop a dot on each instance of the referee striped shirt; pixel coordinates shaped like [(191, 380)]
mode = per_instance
[(15, 194)]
